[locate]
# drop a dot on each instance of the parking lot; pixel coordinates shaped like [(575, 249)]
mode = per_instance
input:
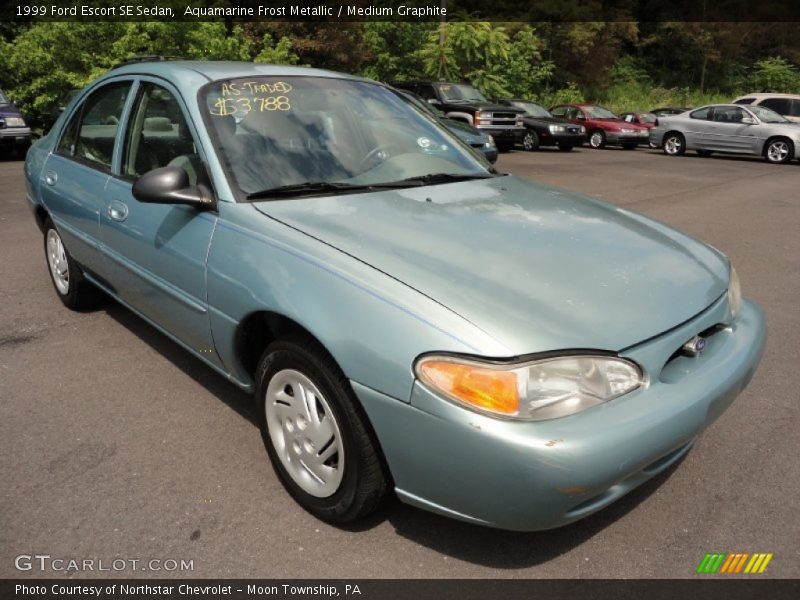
[(115, 443)]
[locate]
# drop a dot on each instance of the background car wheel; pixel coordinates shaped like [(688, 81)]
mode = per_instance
[(317, 437), (72, 288), (597, 139), (704, 153), (565, 148), (779, 151), (530, 141), (674, 144)]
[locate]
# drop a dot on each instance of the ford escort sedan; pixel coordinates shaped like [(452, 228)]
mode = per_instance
[(408, 319)]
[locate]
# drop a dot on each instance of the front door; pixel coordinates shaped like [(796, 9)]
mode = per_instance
[(158, 251)]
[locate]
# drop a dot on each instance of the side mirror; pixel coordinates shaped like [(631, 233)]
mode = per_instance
[(170, 185), (748, 121)]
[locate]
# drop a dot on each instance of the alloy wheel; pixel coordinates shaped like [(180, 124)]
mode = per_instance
[(57, 261), (778, 151), (673, 145)]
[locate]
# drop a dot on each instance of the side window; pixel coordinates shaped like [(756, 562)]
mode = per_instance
[(703, 114), (158, 136), (745, 101), (729, 114), (425, 90), (92, 129), (559, 111), (795, 108), (779, 105), (99, 124)]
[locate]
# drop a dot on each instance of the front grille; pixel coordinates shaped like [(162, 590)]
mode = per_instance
[(573, 129), (679, 364)]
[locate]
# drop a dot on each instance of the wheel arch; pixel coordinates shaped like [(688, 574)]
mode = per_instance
[(772, 138), (41, 215)]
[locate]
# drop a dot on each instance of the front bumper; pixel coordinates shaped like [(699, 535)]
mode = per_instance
[(505, 134), (615, 137), (15, 136), (561, 139), (541, 475)]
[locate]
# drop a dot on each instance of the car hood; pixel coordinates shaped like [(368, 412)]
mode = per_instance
[(487, 106), (9, 110), (536, 267)]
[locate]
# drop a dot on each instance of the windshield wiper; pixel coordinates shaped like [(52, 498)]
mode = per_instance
[(434, 178), (324, 187)]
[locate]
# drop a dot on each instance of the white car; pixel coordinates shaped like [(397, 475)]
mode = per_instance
[(787, 105)]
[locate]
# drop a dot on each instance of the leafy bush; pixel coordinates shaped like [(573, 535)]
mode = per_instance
[(774, 74)]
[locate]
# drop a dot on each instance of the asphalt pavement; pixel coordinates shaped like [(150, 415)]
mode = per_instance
[(116, 444)]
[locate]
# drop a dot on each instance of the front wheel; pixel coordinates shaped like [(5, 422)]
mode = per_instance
[(597, 139), (316, 434), (779, 151), (530, 141), (71, 287), (674, 144)]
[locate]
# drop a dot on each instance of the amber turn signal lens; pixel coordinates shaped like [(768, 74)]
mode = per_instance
[(487, 389)]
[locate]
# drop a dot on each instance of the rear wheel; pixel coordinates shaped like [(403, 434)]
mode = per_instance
[(674, 144), (71, 287), (316, 435), (779, 151), (530, 141), (597, 139)]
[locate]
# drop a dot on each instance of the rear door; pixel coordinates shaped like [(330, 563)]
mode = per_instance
[(76, 174), (158, 252)]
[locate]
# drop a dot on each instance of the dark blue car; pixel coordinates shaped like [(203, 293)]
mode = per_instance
[(15, 134)]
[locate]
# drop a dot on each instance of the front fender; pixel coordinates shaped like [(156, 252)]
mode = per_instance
[(373, 325)]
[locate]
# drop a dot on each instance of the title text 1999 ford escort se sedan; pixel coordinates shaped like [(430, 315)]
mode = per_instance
[(488, 348)]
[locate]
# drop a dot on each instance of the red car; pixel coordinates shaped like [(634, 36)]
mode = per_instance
[(603, 126)]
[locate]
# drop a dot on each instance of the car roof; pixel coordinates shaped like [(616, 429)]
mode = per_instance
[(763, 95), (213, 70)]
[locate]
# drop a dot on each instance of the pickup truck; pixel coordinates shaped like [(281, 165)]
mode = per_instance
[(462, 102)]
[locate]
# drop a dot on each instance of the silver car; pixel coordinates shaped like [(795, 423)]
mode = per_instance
[(729, 128)]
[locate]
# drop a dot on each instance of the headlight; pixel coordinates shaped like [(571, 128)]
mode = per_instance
[(627, 130), (534, 391), (15, 122), (734, 293), (556, 128)]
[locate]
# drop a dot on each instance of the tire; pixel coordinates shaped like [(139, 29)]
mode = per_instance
[(674, 144), (348, 478), (74, 291), (565, 148), (629, 146), (597, 139), (530, 141), (779, 151), (704, 153)]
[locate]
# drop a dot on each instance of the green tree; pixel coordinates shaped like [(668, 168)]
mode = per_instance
[(774, 74)]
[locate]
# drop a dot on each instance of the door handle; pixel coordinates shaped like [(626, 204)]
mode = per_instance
[(118, 210), (50, 177)]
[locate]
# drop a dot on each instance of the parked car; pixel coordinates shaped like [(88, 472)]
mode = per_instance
[(645, 119), (15, 135), (786, 105), (730, 129), (603, 126), (666, 112), (543, 129), (463, 102), (481, 141), (403, 314)]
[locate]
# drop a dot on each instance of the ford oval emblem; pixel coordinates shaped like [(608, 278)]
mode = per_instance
[(695, 345)]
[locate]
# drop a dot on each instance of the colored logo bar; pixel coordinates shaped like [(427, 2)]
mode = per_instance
[(735, 562)]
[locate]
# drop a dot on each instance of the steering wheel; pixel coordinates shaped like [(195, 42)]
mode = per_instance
[(379, 152)]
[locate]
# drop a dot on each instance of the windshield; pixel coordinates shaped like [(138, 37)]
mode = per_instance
[(458, 92), (3, 99), (647, 118), (598, 112), (274, 132), (532, 109), (767, 115)]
